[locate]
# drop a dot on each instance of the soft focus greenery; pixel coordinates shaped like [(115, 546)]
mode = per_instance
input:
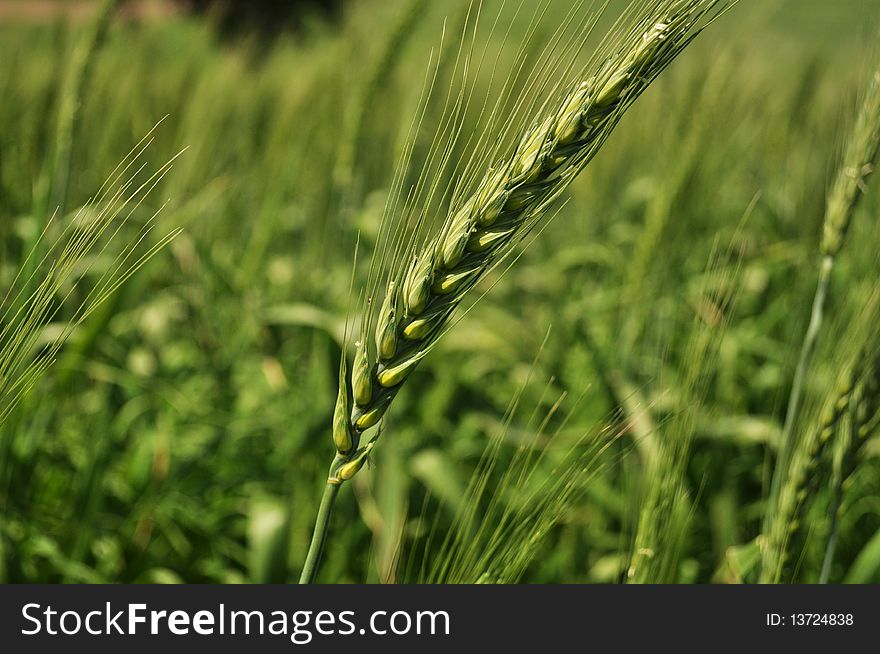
[(183, 433)]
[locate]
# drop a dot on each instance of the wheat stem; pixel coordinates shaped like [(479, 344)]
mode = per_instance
[(319, 536), (808, 347)]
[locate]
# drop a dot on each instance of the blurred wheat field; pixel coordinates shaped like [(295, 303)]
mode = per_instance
[(182, 434)]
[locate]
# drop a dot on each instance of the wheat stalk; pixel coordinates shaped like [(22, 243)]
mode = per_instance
[(481, 229)]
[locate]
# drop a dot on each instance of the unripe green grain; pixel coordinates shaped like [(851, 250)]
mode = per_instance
[(361, 377), (343, 436), (371, 417), (417, 287), (418, 328), (492, 199), (452, 249), (482, 241), (386, 326), (351, 467), (450, 282), (389, 377)]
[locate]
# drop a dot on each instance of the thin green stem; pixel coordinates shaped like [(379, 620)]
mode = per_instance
[(322, 522), (832, 539), (797, 388)]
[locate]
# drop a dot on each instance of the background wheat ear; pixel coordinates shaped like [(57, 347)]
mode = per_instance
[(860, 404), (665, 508), (426, 281), (858, 163), (859, 157), (82, 59), (827, 455)]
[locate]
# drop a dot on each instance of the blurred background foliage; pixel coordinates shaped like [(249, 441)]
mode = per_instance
[(183, 434), (268, 17)]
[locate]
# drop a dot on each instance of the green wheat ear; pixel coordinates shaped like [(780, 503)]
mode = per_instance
[(82, 61), (860, 155), (512, 196), (862, 407), (425, 282), (50, 275), (858, 162)]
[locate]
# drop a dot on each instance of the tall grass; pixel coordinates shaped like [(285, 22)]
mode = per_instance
[(182, 433)]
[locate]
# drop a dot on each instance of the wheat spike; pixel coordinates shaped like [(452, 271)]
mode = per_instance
[(859, 158), (790, 485), (481, 229)]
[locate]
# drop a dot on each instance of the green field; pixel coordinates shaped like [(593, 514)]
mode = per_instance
[(610, 410)]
